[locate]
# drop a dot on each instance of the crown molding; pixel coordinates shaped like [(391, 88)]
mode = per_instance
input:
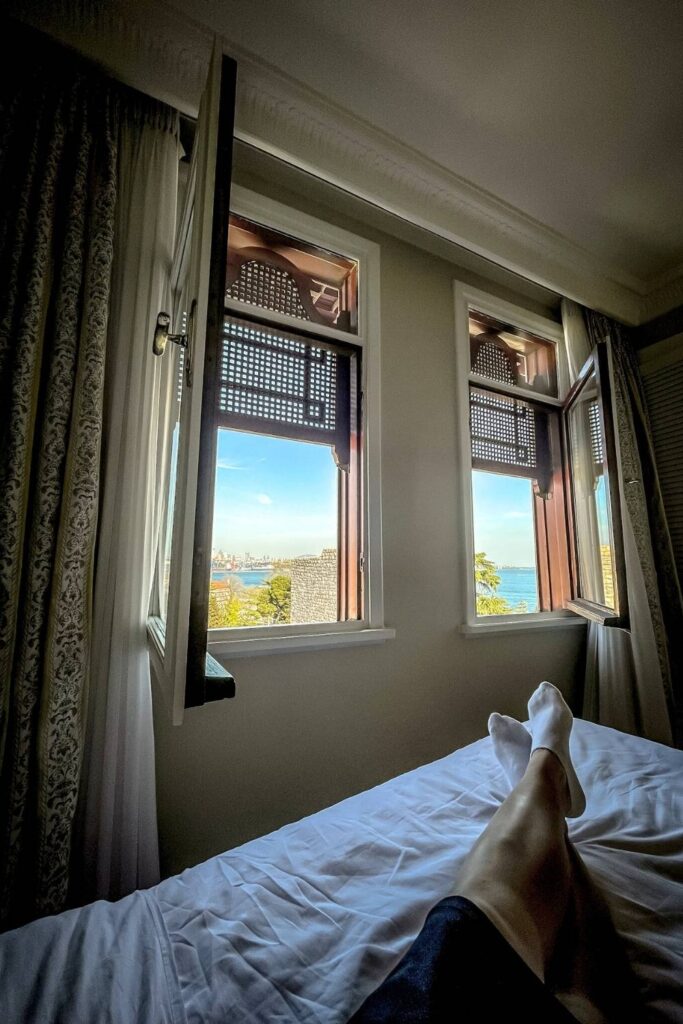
[(295, 124), (159, 50)]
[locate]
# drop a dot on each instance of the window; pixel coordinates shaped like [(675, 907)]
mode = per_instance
[(296, 535), (597, 549), (287, 536), (539, 497)]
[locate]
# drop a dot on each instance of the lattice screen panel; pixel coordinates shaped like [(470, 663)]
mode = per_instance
[(276, 378), (597, 446), (269, 287), (503, 432), (492, 361)]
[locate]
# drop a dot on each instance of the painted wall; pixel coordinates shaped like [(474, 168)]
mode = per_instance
[(306, 730)]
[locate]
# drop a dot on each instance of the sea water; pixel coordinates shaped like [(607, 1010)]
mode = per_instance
[(519, 584)]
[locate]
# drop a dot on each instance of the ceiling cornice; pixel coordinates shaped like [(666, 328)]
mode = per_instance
[(154, 48)]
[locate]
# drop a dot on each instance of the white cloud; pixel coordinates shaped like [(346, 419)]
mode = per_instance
[(263, 499), (224, 464)]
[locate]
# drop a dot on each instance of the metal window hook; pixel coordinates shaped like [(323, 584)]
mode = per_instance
[(162, 338)]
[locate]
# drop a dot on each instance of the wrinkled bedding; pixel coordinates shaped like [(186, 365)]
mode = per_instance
[(302, 924)]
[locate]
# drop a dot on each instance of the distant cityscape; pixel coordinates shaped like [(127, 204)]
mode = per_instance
[(246, 562), (240, 563)]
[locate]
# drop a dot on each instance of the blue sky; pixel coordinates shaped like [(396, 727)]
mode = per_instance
[(279, 498), (503, 518), (273, 496)]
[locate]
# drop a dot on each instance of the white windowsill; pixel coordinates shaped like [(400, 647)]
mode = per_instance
[(242, 648), (519, 624)]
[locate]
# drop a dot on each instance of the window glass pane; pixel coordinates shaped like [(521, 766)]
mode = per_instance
[(275, 532), (505, 571), (274, 271), (510, 355), (592, 516)]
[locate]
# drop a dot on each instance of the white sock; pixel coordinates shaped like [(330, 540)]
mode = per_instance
[(511, 745), (551, 725)]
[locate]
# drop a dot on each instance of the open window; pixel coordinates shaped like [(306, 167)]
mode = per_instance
[(181, 665), (272, 533), (541, 492), (598, 573)]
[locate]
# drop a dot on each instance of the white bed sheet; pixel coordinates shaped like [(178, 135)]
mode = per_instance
[(302, 924)]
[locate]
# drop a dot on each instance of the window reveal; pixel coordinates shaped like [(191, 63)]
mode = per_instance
[(280, 383)]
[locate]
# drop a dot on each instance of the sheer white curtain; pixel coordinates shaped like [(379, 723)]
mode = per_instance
[(627, 685), (118, 821)]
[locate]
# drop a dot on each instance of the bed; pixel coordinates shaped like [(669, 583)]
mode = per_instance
[(302, 924)]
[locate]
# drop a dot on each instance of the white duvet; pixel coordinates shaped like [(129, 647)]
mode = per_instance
[(302, 924)]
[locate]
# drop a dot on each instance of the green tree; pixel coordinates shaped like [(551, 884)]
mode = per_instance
[(274, 600), (487, 581), (485, 575), (231, 604)]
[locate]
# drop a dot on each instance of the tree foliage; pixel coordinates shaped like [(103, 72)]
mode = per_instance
[(232, 604), (274, 601), (487, 581), (485, 575)]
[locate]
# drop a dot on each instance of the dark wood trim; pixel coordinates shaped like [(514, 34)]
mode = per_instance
[(304, 331), (542, 553), (552, 548), (350, 582), (198, 689), (658, 329)]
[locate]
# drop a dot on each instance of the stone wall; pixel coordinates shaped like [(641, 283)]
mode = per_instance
[(607, 574), (314, 588)]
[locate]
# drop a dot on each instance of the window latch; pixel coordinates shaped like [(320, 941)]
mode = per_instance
[(162, 336)]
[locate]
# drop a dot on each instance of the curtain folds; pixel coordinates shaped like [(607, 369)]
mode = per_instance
[(118, 822), (634, 680), (58, 182), (88, 175)]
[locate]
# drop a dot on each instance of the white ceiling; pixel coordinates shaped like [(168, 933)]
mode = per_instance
[(570, 110)]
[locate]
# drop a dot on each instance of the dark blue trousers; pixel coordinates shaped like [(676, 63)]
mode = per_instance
[(461, 970)]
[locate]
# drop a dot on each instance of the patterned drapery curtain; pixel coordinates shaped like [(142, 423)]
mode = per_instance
[(652, 579), (60, 132), (634, 678), (58, 183)]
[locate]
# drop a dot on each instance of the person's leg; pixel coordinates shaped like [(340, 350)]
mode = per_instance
[(519, 872)]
